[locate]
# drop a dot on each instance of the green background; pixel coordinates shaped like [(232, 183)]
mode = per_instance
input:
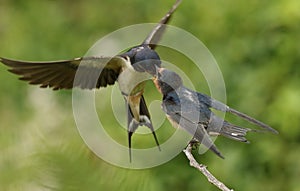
[(256, 44)]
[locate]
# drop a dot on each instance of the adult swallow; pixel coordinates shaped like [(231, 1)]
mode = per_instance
[(191, 111), (96, 72)]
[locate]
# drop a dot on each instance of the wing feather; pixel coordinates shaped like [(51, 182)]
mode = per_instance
[(85, 73), (156, 34)]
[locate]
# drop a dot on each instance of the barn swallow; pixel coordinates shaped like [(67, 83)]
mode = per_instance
[(96, 72), (191, 111)]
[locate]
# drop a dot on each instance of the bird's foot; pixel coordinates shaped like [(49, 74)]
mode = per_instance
[(194, 144)]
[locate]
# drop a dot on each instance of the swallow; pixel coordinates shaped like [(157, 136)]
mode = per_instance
[(191, 111), (97, 72)]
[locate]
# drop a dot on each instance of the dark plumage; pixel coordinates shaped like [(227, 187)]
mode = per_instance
[(190, 110)]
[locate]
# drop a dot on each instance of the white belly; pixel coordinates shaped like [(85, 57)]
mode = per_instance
[(130, 81)]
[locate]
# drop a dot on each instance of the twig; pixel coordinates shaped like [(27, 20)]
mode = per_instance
[(202, 168)]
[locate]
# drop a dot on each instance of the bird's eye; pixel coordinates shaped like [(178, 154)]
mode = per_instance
[(127, 58)]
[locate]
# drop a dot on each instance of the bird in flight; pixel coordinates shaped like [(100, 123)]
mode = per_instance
[(97, 72), (191, 111)]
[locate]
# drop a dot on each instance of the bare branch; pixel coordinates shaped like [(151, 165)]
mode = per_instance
[(202, 168)]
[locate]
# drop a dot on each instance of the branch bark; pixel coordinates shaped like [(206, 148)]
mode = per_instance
[(202, 168)]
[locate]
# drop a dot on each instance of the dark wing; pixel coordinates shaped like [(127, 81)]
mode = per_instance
[(85, 73), (156, 34), (218, 126), (213, 124), (222, 107), (187, 118)]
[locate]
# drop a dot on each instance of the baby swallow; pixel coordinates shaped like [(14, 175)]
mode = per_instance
[(191, 111), (96, 72)]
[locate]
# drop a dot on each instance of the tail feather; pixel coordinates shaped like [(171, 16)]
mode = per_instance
[(234, 132), (133, 124), (224, 108), (218, 126), (252, 120)]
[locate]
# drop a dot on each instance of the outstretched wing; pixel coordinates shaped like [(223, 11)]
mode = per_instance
[(85, 73), (156, 34)]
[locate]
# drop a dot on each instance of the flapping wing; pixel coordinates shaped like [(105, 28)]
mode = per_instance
[(85, 73), (156, 34)]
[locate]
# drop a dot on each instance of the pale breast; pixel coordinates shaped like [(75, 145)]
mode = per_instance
[(131, 82)]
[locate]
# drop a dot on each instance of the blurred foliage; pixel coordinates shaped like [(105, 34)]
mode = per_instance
[(256, 44)]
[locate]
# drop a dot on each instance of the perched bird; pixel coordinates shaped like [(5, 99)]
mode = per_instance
[(96, 72), (191, 111)]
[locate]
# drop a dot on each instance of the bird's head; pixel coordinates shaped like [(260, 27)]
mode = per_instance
[(144, 59), (167, 80)]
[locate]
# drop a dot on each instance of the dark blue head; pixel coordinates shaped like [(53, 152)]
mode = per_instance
[(144, 59)]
